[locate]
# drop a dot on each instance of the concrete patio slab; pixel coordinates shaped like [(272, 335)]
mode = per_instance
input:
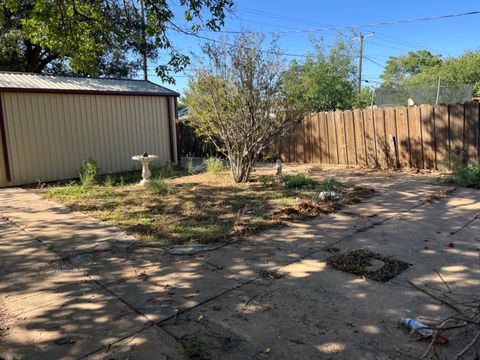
[(72, 287), (70, 327), (151, 343), (68, 232)]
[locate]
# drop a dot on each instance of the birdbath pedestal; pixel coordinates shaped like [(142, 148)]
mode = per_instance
[(145, 160)]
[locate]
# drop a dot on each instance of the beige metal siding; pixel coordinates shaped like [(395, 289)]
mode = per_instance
[(50, 135)]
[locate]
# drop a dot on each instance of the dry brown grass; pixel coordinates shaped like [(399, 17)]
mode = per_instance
[(189, 209)]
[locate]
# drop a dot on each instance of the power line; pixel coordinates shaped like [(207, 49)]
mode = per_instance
[(373, 61), (232, 45), (402, 42), (281, 17), (355, 26)]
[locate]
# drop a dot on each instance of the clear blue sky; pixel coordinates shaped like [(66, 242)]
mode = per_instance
[(448, 37)]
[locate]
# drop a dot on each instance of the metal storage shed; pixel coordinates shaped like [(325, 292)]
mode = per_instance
[(50, 124)]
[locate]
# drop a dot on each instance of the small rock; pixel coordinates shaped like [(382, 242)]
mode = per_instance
[(451, 245), (328, 195), (375, 265)]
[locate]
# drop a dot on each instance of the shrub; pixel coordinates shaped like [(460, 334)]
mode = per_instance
[(109, 181), (214, 165), (191, 170), (194, 348), (158, 186), (329, 185), (88, 172), (161, 171), (299, 181), (464, 174)]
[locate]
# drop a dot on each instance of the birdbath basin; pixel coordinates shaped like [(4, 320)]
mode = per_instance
[(145, 160)]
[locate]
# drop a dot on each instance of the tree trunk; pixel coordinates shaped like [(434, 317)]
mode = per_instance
[(242, 166)]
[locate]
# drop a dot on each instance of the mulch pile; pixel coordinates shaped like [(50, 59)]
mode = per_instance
[(357, 262), (308, 208)]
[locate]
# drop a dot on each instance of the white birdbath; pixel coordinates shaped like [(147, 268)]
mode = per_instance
[(145, 160)]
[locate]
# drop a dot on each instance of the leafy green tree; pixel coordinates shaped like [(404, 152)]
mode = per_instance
[(326, 80), (464, 69), (401, 68), (237, 100), (366, 97), (99, 37)]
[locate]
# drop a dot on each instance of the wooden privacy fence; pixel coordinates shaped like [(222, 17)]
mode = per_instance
[(392, 137)]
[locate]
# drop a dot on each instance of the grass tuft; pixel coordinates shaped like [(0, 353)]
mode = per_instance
[(71, 191), (161, 171), (88, 173), (214, 165), (299, 181), (465, 174), (329, 185), (194, 348), (159, 186)]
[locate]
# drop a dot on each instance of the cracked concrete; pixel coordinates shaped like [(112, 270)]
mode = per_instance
[(75, 288)]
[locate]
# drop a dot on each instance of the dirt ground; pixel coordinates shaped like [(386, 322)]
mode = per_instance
[(72, 287)]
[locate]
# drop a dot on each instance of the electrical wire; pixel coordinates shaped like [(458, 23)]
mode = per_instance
[(373, 61), (355, 26), (178, 29)]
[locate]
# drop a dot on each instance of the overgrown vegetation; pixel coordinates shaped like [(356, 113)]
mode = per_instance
[(421, 66), (102, 37), (161, 171), (194, 348), (299, 181), (198, 208), (237, 100), (158, 186), (326, 79), (464, 173), (214, 165), (88, 173), (329, 185), (358, 262)]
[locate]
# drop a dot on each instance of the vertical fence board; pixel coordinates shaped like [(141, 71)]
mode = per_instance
[(391, 137), (441, 135), (403, 137), (300, 143), (428, 136), (292, 147), (283, 149), (340, 133), (306, 139), (360, 137), (308, 136), (350, 136), (316, 138), (382, 149), (324, 156), (415, 132), (419, 136), (456, 126), (368, 117), (332, 141), (471, 129)]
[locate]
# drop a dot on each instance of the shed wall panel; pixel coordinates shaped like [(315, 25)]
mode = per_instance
[(50, 135)]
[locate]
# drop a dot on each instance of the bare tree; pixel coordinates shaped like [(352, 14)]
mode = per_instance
[(237, 100)]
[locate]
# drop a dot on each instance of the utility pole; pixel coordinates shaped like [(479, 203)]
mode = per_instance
[(360, 60), (144, 43)]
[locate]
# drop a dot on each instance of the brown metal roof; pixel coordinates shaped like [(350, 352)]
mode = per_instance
[(28, 82)]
